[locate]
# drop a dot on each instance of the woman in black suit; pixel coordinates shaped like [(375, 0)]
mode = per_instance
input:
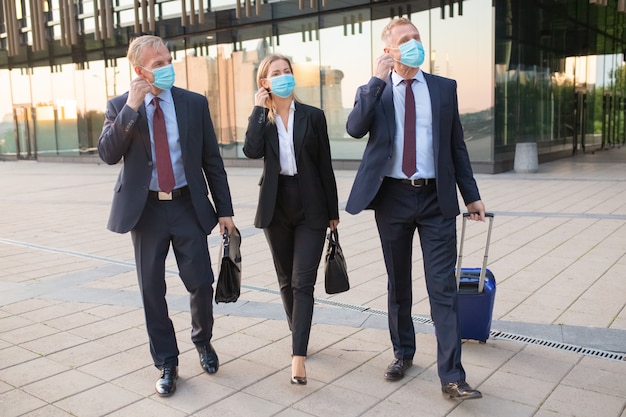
[(298, 195)]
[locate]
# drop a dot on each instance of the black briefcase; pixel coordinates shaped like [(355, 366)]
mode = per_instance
[(229, 280)]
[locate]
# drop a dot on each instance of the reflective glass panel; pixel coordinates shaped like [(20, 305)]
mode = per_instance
[(299, 41), (7, 134), (465, 57), (44, 111), (65, 108), (24, 137), (342, 72), (91, 96)]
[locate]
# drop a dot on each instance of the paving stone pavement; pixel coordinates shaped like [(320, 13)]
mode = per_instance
[(73, 341)]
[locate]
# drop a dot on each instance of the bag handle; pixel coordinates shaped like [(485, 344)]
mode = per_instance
[(333, 236), (226, 240), (483, 269), (333, 243)]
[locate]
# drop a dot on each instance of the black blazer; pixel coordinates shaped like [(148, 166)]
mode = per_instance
[(373, 112), (315, 172), (126, 136)]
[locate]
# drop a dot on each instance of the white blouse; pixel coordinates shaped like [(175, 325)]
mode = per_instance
[(285, 144)]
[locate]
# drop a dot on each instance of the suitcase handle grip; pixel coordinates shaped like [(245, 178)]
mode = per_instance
[(486, 214), (481, 282)]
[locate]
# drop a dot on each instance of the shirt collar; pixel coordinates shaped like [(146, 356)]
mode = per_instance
[(396, 79), (165, 95)]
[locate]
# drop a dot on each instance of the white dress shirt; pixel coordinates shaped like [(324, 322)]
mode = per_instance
[(425, 155), (173, 138)]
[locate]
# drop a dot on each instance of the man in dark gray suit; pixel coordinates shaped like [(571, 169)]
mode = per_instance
[(165, 137), (413, 162)]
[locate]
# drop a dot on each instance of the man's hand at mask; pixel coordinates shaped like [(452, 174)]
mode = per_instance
[(137, 91), (384, 65)]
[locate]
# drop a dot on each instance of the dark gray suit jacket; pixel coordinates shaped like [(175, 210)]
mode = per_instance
[(315, 172), (126, 136), (373, 112)]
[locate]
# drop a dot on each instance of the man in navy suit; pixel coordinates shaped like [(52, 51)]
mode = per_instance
[(413, 162), (165, 137)]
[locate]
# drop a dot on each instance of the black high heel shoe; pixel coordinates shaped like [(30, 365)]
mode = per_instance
[(299, 380)]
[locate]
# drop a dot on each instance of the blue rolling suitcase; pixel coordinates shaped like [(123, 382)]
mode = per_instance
[(476, 292)]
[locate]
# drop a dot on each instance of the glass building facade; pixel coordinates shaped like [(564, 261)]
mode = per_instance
[(546, 71)]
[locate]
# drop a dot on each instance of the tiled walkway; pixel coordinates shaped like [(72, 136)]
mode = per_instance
[(73, 343)]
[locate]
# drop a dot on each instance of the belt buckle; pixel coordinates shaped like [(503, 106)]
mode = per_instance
[(164, 196), (416, 183)]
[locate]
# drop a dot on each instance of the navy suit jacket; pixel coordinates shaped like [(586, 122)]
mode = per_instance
[(373, 112), (312, 151), (125, 135)]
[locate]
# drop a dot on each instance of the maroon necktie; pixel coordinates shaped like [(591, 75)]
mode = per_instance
[(165, 173), (408, 153)]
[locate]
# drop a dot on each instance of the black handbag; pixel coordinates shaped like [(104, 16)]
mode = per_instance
[(335, 270), (229, 280)]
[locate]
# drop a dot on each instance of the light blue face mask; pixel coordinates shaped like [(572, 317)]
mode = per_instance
[(282, 85), (163, 76), (412, 53)]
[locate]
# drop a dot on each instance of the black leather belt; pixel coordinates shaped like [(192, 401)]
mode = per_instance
[(178, 193), (418, 182), (288, 180)]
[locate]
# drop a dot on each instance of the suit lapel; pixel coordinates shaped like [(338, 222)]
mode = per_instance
[(272, 133), (144, 130), (300, 120), (180, 106), (389, 110), (435, 104)]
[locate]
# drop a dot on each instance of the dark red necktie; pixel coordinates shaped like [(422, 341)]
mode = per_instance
[(408, 153), (165, 173)]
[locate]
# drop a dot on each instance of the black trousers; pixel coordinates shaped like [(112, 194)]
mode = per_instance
[(400, 209), (165, 223), (296, 250)]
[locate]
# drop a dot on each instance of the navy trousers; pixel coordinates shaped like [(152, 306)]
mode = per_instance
[(400, 209), (165, 223)]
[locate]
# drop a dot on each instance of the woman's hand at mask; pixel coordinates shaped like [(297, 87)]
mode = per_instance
[(261, 97)]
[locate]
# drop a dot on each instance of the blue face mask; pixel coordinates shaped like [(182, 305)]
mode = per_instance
[(163, 77), (282, 85), (412, 53)]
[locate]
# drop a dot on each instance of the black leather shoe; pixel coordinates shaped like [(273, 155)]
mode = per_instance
[(208, 358), (166, 385), (460, 390), (395, 371)]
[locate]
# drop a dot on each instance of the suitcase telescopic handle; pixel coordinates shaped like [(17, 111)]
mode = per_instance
[(481, 281)]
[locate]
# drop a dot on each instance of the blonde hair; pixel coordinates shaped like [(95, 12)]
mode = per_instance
[(398, 21), (139, 45), (264, 68)]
